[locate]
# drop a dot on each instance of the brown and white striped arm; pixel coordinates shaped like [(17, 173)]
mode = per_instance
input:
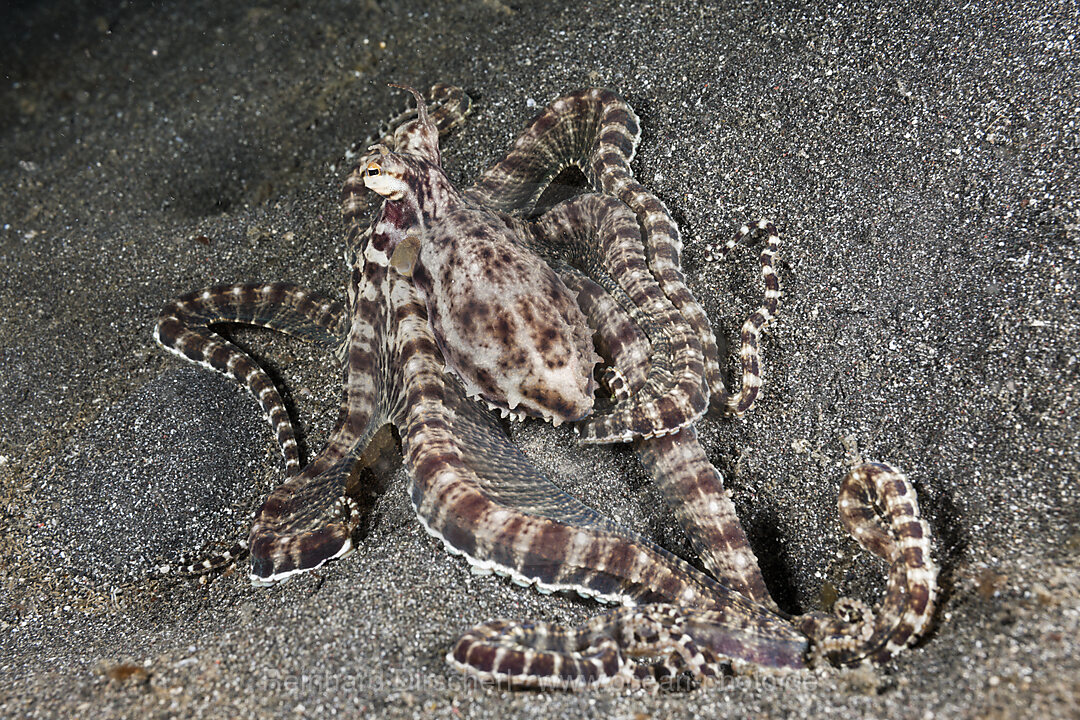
[(750, 335), (183, 328), (879, 508), (597, 132), (606, 238)]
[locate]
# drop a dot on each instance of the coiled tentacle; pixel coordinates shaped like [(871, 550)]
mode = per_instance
[(879, 508)]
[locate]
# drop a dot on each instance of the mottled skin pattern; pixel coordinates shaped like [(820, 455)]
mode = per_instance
[(417, 272), (503, 321)]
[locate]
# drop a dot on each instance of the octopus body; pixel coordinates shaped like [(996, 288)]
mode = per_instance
[(503, 321), (458, 296)]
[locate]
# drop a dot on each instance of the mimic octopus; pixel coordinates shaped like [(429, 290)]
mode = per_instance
[(463, 301)]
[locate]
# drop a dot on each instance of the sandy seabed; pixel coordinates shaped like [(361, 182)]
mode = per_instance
[(921, 161)]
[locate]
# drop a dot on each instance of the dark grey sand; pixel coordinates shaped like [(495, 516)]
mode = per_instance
[(922, 165)]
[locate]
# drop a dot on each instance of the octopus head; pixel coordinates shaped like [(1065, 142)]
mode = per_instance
[(388, 175), (412, 172)]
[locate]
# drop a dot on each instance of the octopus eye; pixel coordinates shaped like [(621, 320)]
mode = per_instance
[(373, 169)]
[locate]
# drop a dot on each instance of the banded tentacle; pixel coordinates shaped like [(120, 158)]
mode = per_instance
[(602, 651), (694, 490), (183, 328), (750, 334), (308, 520), (692, 487), (609, 170), (878, 506), (618, 336), (597, 132), (601, 237)]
